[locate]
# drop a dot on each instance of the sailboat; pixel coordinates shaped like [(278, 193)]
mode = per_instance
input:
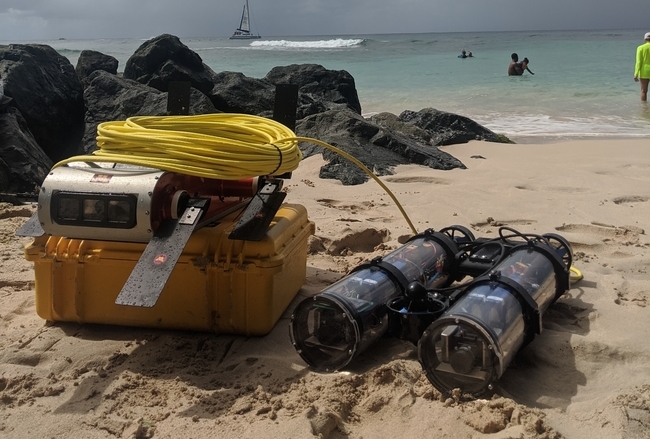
[(243, 32)]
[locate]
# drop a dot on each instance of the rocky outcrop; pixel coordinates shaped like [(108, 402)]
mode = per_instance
[(91, 60), (449, 128), (23, 164), (237, 93), (319, 89), (378, 147), (110, 97), (48, 94), (163, 59)]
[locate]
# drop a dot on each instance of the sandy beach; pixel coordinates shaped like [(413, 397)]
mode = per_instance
[(586, 375)]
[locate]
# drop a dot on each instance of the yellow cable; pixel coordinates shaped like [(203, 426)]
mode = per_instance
[(367, 171), (575, 275), (220, 146), (223, 146)]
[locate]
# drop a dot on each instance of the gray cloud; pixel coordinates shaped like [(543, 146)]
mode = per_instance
[(89, 19)]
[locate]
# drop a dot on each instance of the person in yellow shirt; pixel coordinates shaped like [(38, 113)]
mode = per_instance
[(642, 66)]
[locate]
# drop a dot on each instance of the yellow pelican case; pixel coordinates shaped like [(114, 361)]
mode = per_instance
[(219, 285)]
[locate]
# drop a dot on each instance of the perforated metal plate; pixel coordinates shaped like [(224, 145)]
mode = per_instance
[(151, 272)]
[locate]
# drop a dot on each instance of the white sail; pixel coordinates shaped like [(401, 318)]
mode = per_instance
[(245, 25), (243, 32)]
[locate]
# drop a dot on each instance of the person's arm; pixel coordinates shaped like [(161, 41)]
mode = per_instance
[(637, 66), (528, 70)]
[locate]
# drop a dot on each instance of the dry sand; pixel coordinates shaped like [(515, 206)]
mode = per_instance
[(587, 375)]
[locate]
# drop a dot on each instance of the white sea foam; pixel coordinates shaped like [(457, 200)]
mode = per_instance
[(336, 43), (531, 125)]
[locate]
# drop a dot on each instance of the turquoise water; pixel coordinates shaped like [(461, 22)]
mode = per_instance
[(582, 86)]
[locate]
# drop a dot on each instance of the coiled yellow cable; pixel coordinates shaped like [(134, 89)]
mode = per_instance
[(220, 146)]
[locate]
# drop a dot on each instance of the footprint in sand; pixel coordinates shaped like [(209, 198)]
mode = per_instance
[(348, 220), (563, 189), (636, 415), (362, 206), (632, 293), (17, 285), (601, 239), (626, 235), (499, 223), (417, 179), (382, 220), (364, 241), (630, 199), (567, 318), (23, 308), (24, 389)]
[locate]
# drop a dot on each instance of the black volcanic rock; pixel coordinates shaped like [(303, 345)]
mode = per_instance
[(378, 147), (48, 94), (163, 59), (23, 164), (236, 93), (449, 128), (319, 89), (91, 60)]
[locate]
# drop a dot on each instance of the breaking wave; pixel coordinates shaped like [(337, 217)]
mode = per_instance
[(336, 43)]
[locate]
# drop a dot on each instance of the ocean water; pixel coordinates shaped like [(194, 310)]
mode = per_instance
[(582, 87)]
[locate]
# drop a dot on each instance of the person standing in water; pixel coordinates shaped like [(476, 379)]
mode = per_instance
[(642, 66), (514, 68)]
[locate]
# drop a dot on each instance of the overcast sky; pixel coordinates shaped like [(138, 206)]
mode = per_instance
[(88, 19)]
